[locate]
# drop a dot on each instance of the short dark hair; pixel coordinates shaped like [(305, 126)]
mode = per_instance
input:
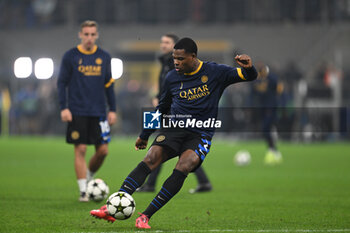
[(187, 44), (174, 37)]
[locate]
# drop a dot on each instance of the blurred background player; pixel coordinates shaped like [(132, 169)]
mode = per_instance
[(84, 82), (265, 93), (166, 60)]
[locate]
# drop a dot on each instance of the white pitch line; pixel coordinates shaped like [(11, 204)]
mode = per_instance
[(252, 230), (242, 230)]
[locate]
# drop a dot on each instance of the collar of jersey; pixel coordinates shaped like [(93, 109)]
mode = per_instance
[(196, 71), (86, 52)]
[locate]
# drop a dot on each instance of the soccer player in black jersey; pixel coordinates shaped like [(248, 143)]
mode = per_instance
[(166, 59), (84, 82), (193, 89)]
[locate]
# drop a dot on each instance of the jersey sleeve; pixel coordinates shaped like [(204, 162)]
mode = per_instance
[(165, 97), (63, 80), (163, 106), (232, 75), (109, 86), (108, 76)]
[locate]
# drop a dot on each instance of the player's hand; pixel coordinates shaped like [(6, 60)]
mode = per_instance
[(244, 61), (66, 115), (140, 144), (112, 118)]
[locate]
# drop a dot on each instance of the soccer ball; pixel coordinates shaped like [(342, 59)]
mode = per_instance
[(97, 190), (121, 205), (242, 158)]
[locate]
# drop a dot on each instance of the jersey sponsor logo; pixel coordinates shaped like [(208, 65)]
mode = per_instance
[(75, 135), (195, 93), (90, 70), (98, 61), (204, 79), (160, 138)]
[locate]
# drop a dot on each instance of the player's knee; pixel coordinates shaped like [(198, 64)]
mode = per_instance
[(187, 163), (103, 152), (152, 161), (153, 158), (81, 150)]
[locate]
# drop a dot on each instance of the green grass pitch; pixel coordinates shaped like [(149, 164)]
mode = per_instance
[(309, 192)]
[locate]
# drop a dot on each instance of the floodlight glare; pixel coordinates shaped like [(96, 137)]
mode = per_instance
[(117, 68), (23, 67), (43, 68)]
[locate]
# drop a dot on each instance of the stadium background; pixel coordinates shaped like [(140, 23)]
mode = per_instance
[(306, 42)]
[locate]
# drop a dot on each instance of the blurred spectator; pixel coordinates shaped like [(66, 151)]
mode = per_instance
[(43, 10), (290, 76), (317, 87), (32, 13), (131, 99), (26, 107), (332, 76), (48, 112)]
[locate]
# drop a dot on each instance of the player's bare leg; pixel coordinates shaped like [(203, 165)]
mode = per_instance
[(80, 170), (188, 161), (155, 156), (97, 159), (79, 162)]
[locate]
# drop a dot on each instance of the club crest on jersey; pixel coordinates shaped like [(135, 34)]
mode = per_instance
[(80, 61), (160, 138), (98, 61), (195, 93), (204, 79)]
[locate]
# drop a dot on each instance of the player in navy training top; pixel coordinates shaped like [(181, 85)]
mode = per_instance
[(166, 45), (84, 83), (193, 88)]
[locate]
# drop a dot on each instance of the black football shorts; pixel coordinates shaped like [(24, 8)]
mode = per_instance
[(88, 130), (179, 140)]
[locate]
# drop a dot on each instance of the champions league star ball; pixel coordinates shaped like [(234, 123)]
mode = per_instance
[(121, 205), (242, 158), (97, 190)]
